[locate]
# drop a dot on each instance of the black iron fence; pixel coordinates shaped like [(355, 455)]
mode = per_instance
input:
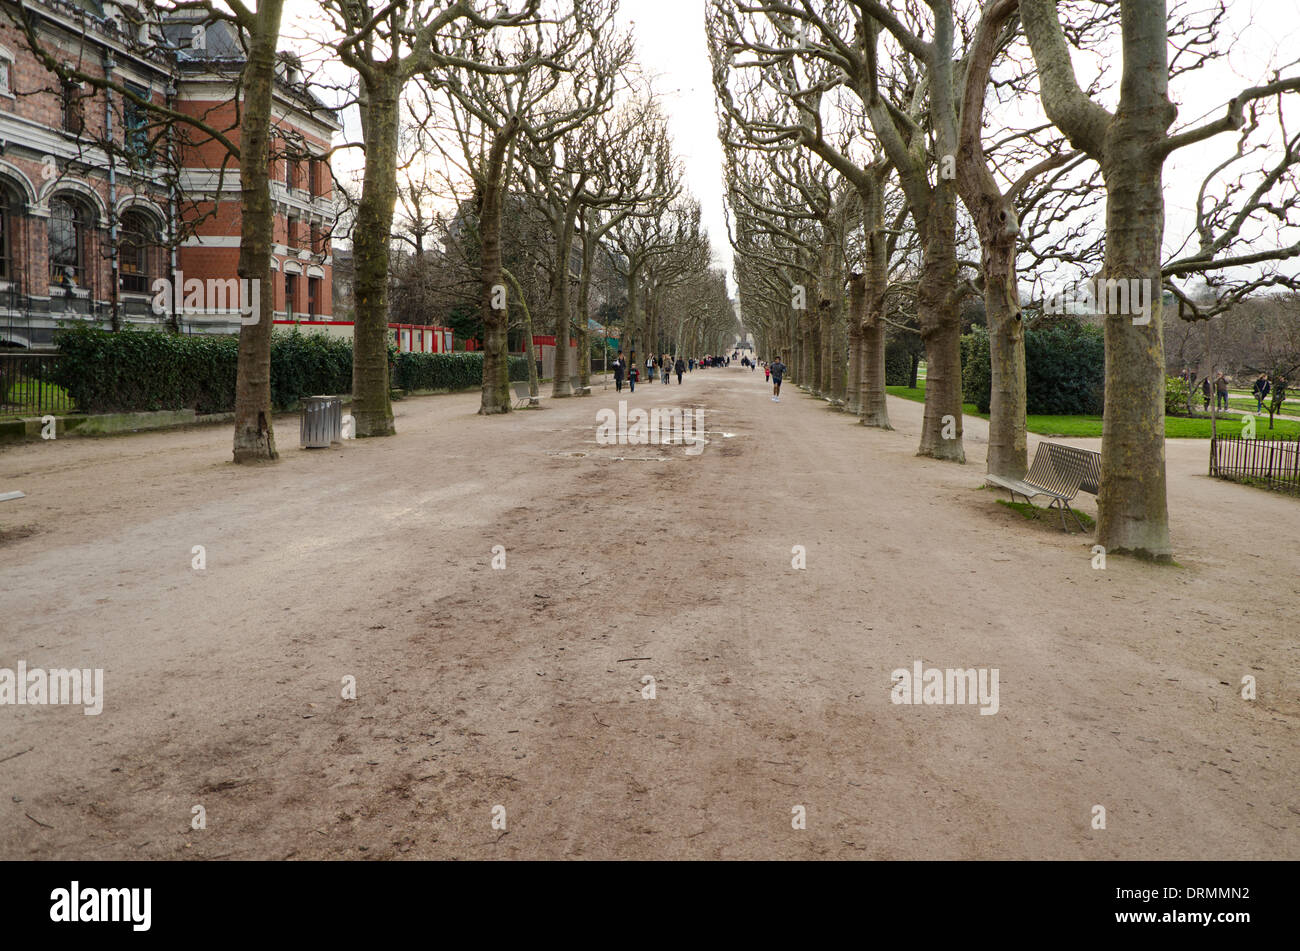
[(1268, 463), (27, 386)]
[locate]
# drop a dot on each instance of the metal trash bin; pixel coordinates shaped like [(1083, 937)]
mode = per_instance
[(322, 421)]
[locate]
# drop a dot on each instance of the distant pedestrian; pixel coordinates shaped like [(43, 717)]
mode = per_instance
[(1206, 393), (1221, 391), (778, 371), (1260, 391), (680, 368), (767, 372), (632, 378), (618, 372)]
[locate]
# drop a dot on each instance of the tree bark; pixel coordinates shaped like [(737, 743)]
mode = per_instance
[(496, 321), (371, 408), (560, 386), (1007, 448), (853, 385), (529, 354), (941, 429), (998, 229), (254, 439), (1133, 513)]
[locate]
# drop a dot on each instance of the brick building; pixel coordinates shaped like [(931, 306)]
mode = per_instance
[(87, 229)]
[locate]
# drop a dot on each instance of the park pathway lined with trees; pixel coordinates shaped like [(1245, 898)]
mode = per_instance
[(477, 687)]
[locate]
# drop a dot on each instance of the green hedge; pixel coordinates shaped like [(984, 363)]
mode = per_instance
[(898, 364), (447, 371), (141, 370), (1065, 369)]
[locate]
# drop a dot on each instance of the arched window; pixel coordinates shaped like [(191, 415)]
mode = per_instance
[(10, 209), (139, 252), (69, 242)]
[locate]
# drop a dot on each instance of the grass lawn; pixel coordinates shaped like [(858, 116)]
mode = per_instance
[(25, 392), (1090, 426), (1247, 405)]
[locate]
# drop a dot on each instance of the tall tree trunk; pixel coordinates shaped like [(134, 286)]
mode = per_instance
[(254, 434), (1130, 146), (584, 301), (853, 383), (560, 386), (371, 408), (496, 320), (871, 310), (1007, 448), (941, 430), (1133, 514), (631, 324), (529, 354), (998, 228), (838, 357), (652, 322)]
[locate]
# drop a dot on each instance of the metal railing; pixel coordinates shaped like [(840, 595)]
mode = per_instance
[(1267, 463), (27, 386)]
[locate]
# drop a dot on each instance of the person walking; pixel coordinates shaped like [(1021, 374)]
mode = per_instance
[(1206, 393), (778, 371), (1221, 391), (680, 368), (618, 372), (664, 365), (1260, 391), (631, 379)]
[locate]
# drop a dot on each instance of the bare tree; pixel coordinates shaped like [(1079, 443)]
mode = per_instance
[(1131, 145), (387, 44)]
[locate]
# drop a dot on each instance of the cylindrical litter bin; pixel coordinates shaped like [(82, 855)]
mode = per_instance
[(322, 421)]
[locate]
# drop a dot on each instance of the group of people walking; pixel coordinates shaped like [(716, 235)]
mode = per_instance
[(661, 368), (626, 369), (1216, 389)]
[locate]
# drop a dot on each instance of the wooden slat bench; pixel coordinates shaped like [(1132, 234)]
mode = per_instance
[(522, 393), (1059, 473)]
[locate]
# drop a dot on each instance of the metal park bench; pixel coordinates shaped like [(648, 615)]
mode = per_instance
[(1058, 472), (522, 393)]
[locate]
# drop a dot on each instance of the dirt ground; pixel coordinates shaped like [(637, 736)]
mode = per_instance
[(522, 687)]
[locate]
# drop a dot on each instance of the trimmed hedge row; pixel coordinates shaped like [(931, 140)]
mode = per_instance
[(1065, 369), (447, 371), (142, 370)]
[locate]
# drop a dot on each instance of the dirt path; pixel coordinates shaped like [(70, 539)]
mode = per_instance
[(479, 687)]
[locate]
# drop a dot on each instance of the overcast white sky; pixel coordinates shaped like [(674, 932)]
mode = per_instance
[(670, 37)]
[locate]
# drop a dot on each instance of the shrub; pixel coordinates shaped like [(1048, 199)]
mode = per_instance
[(976, 369), (1175, 396), (308, 365), (447, 371), (140, 370), (898, 364), (1065, 370)]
